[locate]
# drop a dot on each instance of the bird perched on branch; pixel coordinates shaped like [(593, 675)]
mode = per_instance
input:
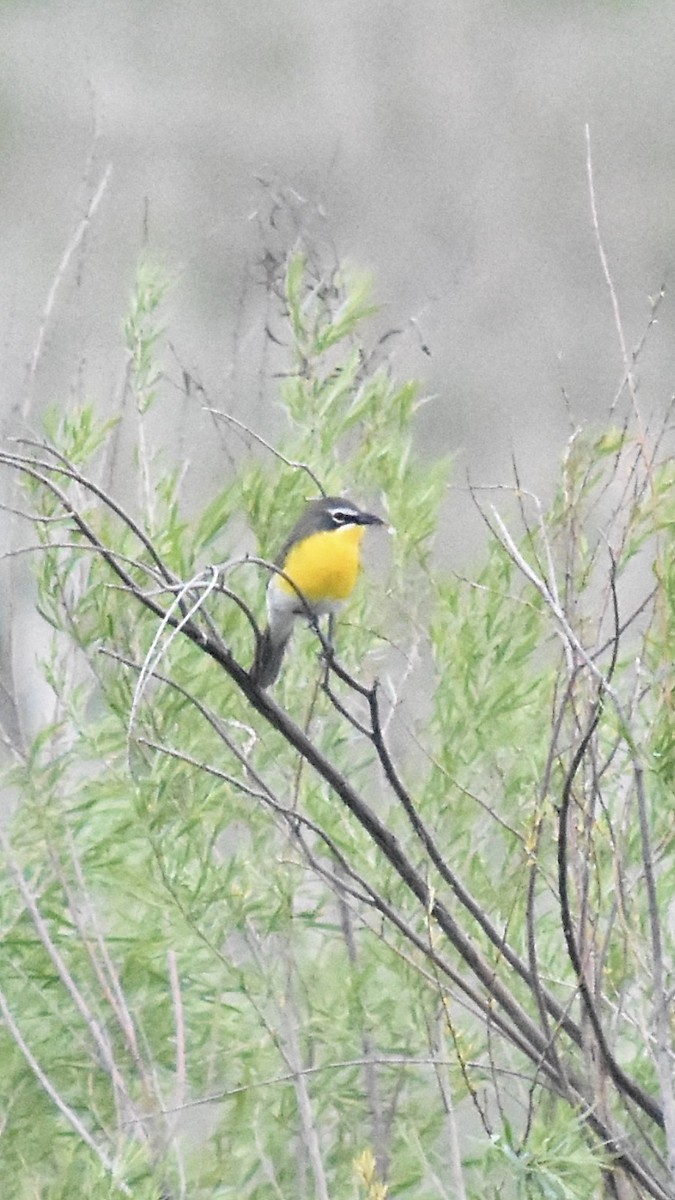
[(320, 561)]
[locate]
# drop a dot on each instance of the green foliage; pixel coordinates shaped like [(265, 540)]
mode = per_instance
[(143, 332), (552, 1165), (77, 432), (179, 939)]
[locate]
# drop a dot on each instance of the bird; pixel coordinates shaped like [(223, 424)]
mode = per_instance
[(321, 556)]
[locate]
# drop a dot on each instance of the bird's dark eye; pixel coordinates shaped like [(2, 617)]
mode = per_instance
[(342, 516)]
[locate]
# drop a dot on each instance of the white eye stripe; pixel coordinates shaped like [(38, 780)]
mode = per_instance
[(342, 516)]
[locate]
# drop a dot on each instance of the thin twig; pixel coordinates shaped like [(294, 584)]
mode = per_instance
[(75, 240), (54, 1095), (289, 462), (623, 1082), (662, 1051), (179, 1025), (627, 365)]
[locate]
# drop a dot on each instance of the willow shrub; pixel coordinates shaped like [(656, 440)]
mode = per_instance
[(218, 979)]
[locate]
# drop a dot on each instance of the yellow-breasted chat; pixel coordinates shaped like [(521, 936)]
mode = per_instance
[(320, 560)]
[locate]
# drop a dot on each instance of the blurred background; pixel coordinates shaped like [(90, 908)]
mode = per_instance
[(443, 142), (438, 145)]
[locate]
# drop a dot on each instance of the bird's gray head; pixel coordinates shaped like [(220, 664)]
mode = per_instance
[(334, 512), (323, 515)]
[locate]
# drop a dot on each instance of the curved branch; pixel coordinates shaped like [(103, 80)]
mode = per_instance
[(621, 1079)]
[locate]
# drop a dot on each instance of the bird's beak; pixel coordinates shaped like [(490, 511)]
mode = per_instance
[(370, 519)]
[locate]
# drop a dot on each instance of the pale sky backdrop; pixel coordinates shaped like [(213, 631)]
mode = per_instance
[(445, 141)]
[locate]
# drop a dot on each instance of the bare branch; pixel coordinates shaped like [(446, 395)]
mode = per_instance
[(75, 241)]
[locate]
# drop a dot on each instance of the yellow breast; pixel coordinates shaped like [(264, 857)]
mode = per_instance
[(324, 566)]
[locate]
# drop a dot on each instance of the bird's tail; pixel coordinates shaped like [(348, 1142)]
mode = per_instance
[(268, 658)]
